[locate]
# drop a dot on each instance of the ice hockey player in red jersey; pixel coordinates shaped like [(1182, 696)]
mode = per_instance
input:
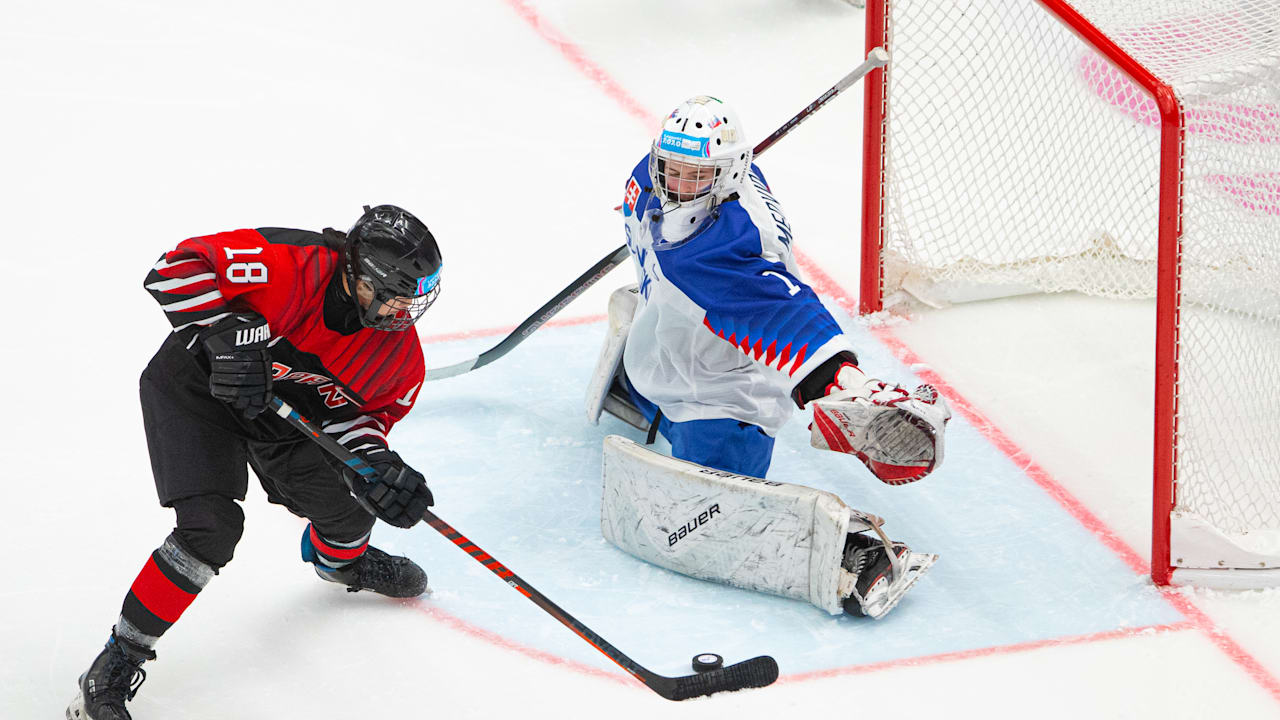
[(324, 320)]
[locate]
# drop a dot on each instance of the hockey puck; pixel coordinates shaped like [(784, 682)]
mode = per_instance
[(706, 662)]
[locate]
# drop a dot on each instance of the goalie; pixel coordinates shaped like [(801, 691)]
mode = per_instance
[(720, 338)]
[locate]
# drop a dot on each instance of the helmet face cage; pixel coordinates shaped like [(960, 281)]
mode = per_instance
[(393, 268), (683, 180), (384, 308), (700, 154)]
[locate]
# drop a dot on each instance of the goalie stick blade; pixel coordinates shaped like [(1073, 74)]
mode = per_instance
[(756, 672), (917, 564)]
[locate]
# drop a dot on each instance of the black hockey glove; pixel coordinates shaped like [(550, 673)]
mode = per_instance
[(399, 495), (239, 362)]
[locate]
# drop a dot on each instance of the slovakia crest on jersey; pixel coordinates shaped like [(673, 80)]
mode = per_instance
[(630, 199)]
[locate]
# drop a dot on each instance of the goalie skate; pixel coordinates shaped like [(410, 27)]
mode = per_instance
[(880, 571)]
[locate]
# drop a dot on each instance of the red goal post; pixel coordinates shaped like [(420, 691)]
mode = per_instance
[(1121, 148)]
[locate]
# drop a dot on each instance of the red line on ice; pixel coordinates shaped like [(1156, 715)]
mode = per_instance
[(584, 64), (823, 284), (486, 332), (985, 652), (502, 641)]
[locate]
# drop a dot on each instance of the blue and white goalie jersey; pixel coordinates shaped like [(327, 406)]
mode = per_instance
[(725, 327)]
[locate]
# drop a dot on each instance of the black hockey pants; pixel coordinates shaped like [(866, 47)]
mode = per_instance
[(200, 448)]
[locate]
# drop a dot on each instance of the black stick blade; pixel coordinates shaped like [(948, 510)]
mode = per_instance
[(756, 672)]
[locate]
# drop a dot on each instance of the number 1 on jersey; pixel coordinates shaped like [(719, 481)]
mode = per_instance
[(792, 288)]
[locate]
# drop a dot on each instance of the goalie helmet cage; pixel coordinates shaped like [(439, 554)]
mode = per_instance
[(1119, 148)]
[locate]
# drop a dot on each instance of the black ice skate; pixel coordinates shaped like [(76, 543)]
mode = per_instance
[(389, 575), (113, 678), (879, 584)]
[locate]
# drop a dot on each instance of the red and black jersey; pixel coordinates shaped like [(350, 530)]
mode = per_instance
[(355, 381)]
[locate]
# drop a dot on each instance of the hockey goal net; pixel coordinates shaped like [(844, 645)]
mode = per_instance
[(1121, 148)]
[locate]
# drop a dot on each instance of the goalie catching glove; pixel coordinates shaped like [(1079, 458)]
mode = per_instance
[(895, 433)]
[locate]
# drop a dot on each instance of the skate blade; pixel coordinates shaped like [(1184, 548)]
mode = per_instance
[(917, 565), (622, 409)]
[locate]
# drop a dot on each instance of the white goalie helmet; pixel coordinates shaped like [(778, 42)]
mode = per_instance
[(700, 156)]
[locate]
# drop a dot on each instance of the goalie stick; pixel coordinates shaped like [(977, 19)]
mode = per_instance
[(756, 672), (537, 319), (876, 58)]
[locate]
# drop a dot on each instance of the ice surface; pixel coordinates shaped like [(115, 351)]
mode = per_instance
[(129, 126)]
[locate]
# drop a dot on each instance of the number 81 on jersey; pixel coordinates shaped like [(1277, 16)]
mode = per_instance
[(245, 272)]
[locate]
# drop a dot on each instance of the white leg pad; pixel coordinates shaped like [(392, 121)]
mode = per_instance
[(757, 534), (622, 308)]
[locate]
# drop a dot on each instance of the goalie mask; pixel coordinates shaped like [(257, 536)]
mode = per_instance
[(392, 267), (700, 156)]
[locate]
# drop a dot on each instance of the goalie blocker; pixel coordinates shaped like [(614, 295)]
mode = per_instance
[(777, 538)]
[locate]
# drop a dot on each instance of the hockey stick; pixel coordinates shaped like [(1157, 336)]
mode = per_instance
[(537, 319), (876, 58), (756, 672)]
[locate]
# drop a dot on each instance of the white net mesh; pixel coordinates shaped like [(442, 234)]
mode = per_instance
[(1017, 159)]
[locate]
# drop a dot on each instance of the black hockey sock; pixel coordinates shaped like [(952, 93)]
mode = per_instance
[(165, 587)]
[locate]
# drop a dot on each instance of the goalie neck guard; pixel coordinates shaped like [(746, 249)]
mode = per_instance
[(392, 266)]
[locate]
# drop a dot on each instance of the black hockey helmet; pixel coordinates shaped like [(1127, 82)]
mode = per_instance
[(393, 264)]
